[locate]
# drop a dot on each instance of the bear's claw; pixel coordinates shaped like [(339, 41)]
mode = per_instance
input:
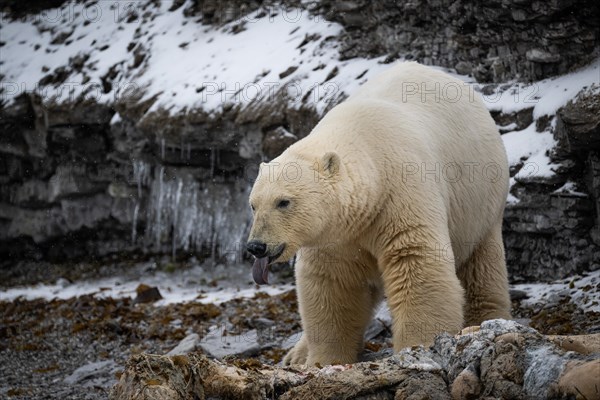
[(298, 354)]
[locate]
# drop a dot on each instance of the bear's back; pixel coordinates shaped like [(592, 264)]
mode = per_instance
[(443, 125)]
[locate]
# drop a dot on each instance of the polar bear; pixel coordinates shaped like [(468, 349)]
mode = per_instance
[(398, 191)]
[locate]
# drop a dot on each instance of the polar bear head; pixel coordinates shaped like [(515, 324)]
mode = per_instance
[(294, 204)]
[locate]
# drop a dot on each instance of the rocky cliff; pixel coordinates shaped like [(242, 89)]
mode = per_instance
[(138, 128)]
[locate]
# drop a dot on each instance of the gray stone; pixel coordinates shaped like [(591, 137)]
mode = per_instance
[(219, 344), (291, 341), (36, 142), (187, 345), (578, 123), (381, 322), (123, 210), (541, 56), (250, 144), (463, 67), (122, 190), (87, 211), (70, 180), (518, 294), (40, 225), (100, 373), (34, 191)]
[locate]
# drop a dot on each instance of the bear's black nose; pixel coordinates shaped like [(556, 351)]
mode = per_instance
[(257, 248)]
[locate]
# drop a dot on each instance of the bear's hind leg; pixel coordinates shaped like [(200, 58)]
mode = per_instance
[(484, 278)]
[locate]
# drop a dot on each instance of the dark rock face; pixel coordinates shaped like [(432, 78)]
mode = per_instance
[(76, 185), (494, 41), (552, 233), (80, 180), (578, 124)]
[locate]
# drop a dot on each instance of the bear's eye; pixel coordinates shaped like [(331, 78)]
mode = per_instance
[(252, 207), (283, 203)]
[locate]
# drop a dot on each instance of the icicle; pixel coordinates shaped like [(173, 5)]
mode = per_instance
[(162, 148), (159, 206), (134, 225), (212, 162), (189, 150), (140, 175), (186, 216), (213, 248), (175, 223)]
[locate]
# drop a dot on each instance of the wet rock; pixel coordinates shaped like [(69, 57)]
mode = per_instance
[(518, 294), (250, 144), (147, 294)]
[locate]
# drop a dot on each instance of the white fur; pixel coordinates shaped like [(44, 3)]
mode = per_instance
[(401, 192)]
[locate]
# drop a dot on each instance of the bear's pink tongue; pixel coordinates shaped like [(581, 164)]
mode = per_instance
[(260, 270)]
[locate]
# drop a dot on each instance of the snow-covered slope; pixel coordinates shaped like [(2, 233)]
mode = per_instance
[(180, 63), (108, 51)]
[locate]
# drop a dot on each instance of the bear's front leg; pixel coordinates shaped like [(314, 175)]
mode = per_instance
[(298, 354), (423, 293), (336, 298)]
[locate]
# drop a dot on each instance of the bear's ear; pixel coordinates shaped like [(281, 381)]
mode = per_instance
[(331, 163)]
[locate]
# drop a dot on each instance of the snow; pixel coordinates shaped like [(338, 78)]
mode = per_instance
[(585, 291), (175, 287), (531, 148), (115, 118), (187, 65), (511, 199), (546, 96), (570, 189), (507, 128)]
